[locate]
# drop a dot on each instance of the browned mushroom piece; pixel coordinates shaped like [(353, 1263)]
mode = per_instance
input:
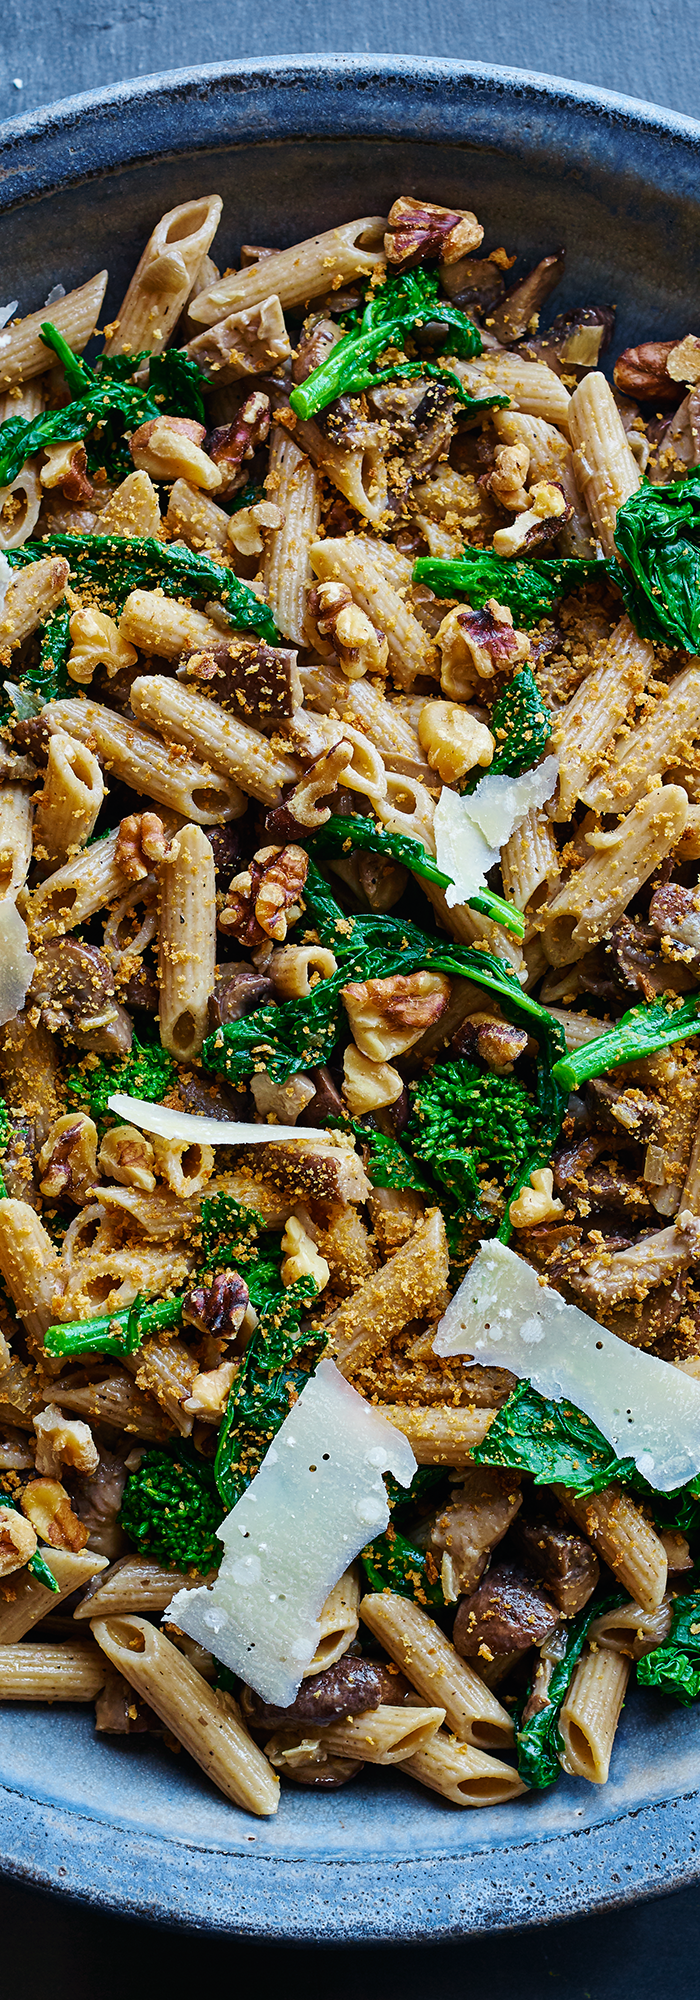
[(558, 1558), (141, 992), (318, 335), (475, 282), (74, 988), (506, 1613), (97, 1499), (629, 1110), (592, 1184), (326, 1101), (575, 342), (513, 317), (351, 1687), (479, 1515), (674, 914), (238, 990), (247, 677)]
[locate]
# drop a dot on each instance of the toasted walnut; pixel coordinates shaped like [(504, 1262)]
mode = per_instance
[(127, 1156), (362, 647), (245, 529), (325, 776), (534, 1204), (219, 1308), (498, 1043), (683, 364), (171, 448), (97, 642), (300, 1256), (232, 444), (66, 466), (63, 1440), (388, 1015), (475, 645), (642, 372), (367, 1085), (546, 512), (68, 1158), (17, 1541), (507, 481), (282, 1102), (421, 229), (185, 1166), (453, 740), (142, 843), (262, 902), (46, 1504), (210, 1391)]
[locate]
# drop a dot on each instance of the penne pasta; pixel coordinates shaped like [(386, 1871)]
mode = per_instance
[(144, 762), (353, 250), (433, 1666), (37, 1672), (164, 277), (23, 353), (591, 1712)]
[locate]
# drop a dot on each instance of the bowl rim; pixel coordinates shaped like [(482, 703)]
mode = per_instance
[(649, 1849)]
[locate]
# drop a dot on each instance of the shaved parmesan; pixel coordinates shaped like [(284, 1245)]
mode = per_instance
[(17, 967), (169, 1124), (470, 831), (647, 1409), (318, 1498)]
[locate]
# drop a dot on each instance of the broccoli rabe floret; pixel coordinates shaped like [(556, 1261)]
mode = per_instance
[(171, 1509), (147, 1072), (459, 1109), (521, 725)]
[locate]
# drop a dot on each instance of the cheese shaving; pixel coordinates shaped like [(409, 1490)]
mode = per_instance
[(170, 1124), (17, 967), (470, 831)]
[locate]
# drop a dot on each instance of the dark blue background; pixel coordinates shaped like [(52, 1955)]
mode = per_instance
[(50, 49)]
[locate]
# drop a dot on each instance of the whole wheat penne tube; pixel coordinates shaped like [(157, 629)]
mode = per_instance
[(631, 1630), (187, 944), (230, 747), (303, 272), (362, 704), (590, 1713), (407, 1284), (133, 1583), (665, 735), (360, 475), (29, 1265), (69, 801), (292, 485), (339, 1622), (550, 458), (166, 1370), (588, 723), (464, 1775), (148, 765), (627, 1542), (23, 353), (28, 1601), (579, 1028), (164, 276), (532, 387), (195, 519), (133, 509), (15, 837), (411, 651), (115, 1400), (37, 1672), (163, 626), (439, 1437), (433, 1666), (167, 1215), (34, 594), (605, 468), (384, 1735), (204, 1725), (529, 859), (84, 885), (595, 896)]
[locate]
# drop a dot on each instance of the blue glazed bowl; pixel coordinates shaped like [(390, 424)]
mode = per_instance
[(293, 148)]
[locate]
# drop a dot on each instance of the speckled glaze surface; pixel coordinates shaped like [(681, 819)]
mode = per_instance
[(292, 148)]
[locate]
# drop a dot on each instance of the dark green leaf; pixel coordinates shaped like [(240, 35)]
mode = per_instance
[(393, 1563), (111, 566), (275, 1368), (521, 725), (554, 1442), (674, 1668), (146, 1072), (529, 589), (658, 534)]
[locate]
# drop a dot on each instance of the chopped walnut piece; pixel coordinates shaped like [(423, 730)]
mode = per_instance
[(536, 1202), (642, 372), (246, 528), (231, 444), (219, 1308), (454, 740), (68, 1158), (171, 448), (362, 647), (97, 642), (142, 843), (498, 1043), (66, 466), (300, 1257), (210, 1392), (475, 645), (421, 229), (127, 1156), (683, 364), (63, 1440), (46, 1504), (262, 902), (307, 806), (511, 465), (388, 1015), (547, 511), (17, 1541)]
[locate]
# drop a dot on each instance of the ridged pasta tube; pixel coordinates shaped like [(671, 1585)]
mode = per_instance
[(30, 598), (15, 838), (187, 944), (69, 801), (433, 1666), (411, 651), (407, 1284), (665, 734), (227, 745), (606, 469), (24, 354), (621, 1534), (590, 1713), (529, 859), (29, 1265), (163, 626), (532, 387), (292, 485), (35, 1672), (622, 859), (352, 250), (148, 765), (164, 276), (360, 475), (584, 728), (439, 1436), (463, 1775)]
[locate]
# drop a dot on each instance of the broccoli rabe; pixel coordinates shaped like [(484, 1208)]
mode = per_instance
[(108, 567), (463, 1117), (521, 725), (674, 1668), (114, 1333), (276, 1367), (392, 312), (343, 833), (638, 1034), (105, 402), (171, 1508), (530, 589), (147, 1072)]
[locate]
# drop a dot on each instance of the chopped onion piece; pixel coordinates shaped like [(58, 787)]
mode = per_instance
[(318, 1498), (647, 1409), (17, 967), (170, 1124)]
